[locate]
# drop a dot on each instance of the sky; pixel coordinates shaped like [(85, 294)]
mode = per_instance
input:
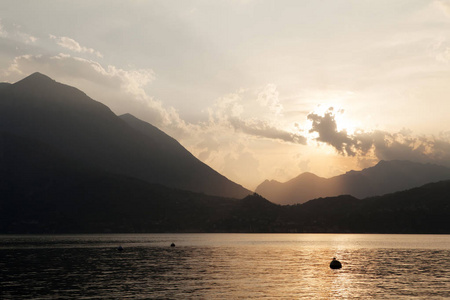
[(255, 89)]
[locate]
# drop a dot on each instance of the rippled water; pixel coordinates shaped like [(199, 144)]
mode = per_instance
[(225, 266)]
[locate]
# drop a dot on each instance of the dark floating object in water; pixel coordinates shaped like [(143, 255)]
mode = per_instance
[(172, 245), (119, 248), (335, 264)]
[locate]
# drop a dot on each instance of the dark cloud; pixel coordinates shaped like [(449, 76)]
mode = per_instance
[(263, 129), (326, 127), (380, 144)]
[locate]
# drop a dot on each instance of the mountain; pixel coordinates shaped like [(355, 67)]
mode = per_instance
[(424, 209), (69, 165), (385, 177), (4, 84), (84, 131), (44, 192)]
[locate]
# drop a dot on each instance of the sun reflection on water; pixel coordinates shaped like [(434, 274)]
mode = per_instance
[(229, 267)]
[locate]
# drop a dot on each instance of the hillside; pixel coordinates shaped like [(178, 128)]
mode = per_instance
[(43, 192), (385, 177), (69, 165), (85, 131), (424, 209), (127, 205)]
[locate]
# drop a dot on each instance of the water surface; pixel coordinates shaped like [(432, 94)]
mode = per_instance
[(225, 266)]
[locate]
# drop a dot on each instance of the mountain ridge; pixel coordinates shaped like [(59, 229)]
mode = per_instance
[(59, 174), (68, 198), (383, 178), (88, 132)]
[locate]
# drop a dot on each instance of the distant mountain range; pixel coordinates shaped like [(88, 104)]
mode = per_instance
[(424, 209), (43, 192), (69, 165), (385, 177), (85, 132)]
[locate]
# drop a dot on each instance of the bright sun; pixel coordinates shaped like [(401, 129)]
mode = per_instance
[(343, 122)]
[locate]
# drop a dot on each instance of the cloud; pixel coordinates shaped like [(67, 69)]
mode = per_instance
[(421, 149), (208, 145), (380, 144), (237, 111), (122, 90), (262, 128), (28, 38), (241, 134), (73, 45), (17, 35), (326, 127), (268, 97), (67, 66)]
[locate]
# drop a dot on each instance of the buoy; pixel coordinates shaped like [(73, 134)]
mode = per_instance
[(119, 248), (335, 264), (172, 245)]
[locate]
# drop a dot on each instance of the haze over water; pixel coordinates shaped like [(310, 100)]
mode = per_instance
[(225, 266)]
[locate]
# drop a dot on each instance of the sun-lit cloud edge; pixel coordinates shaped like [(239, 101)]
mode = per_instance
[(223, 141), (71, 44), (378, 144), (236, 122), (233, 119)]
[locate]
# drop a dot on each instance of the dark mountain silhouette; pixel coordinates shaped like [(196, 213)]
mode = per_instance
[(424, 209), (69, 165), (4, 84), (385, 177), (85, 131), (44, 192)]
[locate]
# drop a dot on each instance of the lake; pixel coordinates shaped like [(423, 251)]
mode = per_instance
[(225, 266)]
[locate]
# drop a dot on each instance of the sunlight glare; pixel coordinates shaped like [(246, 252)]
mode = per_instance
[(343, 122)]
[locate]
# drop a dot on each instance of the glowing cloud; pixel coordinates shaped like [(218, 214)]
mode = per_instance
[(326, 127), (380, 144), (73, 45), (237, 111), (113, 86)]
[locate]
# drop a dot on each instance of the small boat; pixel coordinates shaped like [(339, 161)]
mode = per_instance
[(335, 264)]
